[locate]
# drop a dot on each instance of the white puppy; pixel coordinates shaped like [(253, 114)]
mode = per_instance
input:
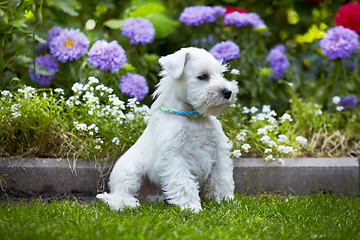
[(183, 150)]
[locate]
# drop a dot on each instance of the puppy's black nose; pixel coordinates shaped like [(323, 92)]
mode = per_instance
[(226, 93)]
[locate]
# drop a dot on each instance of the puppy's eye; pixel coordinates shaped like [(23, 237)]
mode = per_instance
[(204, 77)]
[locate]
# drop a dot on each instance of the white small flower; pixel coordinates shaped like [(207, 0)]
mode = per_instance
[(283, 138), (268, 150), (253, 110), (265, 139), (319, 112), (235, 72), (97, 147), (16, 114), (236, 153), (285, 117), (272, 113), (245, 110), (80, 126), (116, 141), (246, 147), (281, 161), (266, 108), (272, 120), (77, 87), (301, 140), (130, 116), (269, 158), (339, 108), (241, 136), (262, 131), (290, 84), (272, 143), (336, 99), (285, 149), (92, 80), (59, 90)]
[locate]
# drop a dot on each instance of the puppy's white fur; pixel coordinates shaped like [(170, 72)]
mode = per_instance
[(181, 155)]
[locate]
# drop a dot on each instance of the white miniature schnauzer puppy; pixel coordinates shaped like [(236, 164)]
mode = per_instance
[(183, 150)]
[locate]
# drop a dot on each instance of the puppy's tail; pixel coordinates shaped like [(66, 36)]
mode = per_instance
[(116, 202)]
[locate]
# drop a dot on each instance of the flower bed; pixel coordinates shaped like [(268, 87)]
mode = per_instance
[(84, 92)]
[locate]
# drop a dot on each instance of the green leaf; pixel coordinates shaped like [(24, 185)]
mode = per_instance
[(41, 70), (67, 6), (17, 23), (114, 23), (163, 24), (147, 9)]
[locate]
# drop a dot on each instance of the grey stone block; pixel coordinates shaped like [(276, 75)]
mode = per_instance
[(251, 175), (51, 175), (298, 176)]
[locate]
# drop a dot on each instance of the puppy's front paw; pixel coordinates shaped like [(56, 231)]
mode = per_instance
[(196, 208), (219, 199)]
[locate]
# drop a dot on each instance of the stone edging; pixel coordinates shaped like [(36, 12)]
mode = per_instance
[(251, 175)]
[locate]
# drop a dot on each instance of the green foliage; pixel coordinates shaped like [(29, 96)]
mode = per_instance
[(246, 217), (93, 123), (47, 121)]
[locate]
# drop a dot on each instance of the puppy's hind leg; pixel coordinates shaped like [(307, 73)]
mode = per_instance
[(125, 182)]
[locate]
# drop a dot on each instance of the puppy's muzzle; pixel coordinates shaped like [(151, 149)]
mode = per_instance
[(226, 93)]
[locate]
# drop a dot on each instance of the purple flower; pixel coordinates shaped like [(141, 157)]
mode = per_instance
[(339, 42), (69, 45), (244, 19), (108, 56), (219, 10), (47, 63), (225, 51), (348, 102), (139, 30), (278, 62), (52, 33), (134, 85), (197, 15)]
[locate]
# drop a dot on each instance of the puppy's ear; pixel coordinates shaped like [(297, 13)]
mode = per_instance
[(174, 64)]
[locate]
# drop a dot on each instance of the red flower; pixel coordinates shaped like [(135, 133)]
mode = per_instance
[(230, 9), (349, 16)]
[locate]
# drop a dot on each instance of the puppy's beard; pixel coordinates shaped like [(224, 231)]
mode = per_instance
[(213, 103)]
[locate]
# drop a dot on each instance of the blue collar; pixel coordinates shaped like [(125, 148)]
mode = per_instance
[(182, 113)]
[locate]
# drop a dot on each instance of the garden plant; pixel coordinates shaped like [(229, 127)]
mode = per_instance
[(77, 78)]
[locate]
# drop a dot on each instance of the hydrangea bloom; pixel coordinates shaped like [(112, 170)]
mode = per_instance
[(348, 102), (139, 30), (69, 45), (349, 16), (197, 15), (339, 42), (52, 33), (225, 51), (108, 56), (49, 64), (278, 62), (219, 10), (244, 19), (134, 85)]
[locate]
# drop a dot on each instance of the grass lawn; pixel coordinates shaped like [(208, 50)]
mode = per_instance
[(246, 217)]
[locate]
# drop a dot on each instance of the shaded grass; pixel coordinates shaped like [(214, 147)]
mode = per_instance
[(247, 217)]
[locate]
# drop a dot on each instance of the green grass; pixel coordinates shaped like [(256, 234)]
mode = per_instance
[(247, 217)]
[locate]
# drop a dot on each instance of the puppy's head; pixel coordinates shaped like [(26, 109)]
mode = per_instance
[(198, 80)]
